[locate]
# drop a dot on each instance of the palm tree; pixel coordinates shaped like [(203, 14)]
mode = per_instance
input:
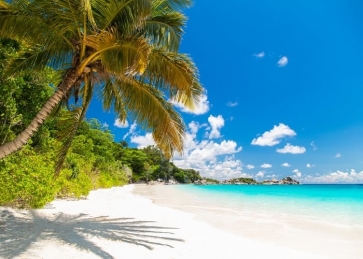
[(125, 50)]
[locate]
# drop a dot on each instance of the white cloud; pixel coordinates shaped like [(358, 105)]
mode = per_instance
[(291, 149), (250, 166), (232, 104), (309, 165), (285, 165), (259, 55), (210, 158), (216, 124), (266, 166), (297, 173), (336, 177), (143, 141), (209, 150), (201, 107), (119, 124), (313, 145), (272, 137), (260, 174), (131, 130), (338, 155), (105, 125), (282, 61)]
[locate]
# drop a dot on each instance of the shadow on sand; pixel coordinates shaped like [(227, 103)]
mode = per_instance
[(18, 231)]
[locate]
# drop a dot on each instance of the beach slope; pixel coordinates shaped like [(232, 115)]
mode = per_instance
[(115, 223)]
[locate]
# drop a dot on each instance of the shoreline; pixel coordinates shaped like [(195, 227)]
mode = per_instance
[(117, 223)]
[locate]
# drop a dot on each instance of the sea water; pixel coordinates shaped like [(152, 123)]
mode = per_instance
[(340, 204), (321, 219)]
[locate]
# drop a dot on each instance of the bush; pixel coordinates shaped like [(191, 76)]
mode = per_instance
[(27, 180)]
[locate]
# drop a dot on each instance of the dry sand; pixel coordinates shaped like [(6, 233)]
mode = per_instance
[(115, 223)]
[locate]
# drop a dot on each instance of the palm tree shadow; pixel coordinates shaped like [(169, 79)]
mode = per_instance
[(19, 232)]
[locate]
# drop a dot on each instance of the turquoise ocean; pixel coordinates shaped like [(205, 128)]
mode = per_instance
[(340, 204), (321, 219)]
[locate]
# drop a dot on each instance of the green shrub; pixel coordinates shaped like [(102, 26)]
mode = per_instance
[(27, 180)]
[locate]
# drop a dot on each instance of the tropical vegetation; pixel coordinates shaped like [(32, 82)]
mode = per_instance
[(126, 51), (54, 57)]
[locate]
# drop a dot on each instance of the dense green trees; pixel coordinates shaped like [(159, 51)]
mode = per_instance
[(94, 159), (128, 49)]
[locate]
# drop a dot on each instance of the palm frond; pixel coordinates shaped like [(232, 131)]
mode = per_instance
[(165, 29), (112, 97), (125, 15), (87, 9), (172, 4), (37, 58), (69, 123), (117, 56), (153, 112), (175, 73), (3, 6), (28, 23)]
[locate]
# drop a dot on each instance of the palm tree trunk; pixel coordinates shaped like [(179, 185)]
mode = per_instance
[(68, 81)]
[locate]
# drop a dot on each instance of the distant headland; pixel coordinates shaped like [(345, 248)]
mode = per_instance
[(234, 181)]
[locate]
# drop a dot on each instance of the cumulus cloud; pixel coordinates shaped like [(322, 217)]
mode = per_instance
[(216, 124), (266, 166), (274, 136), (338, 155), (282, 61), (309, 165), (336, 177), (259, 55), (232, 104), (285, 165), (313, 146), (210, 157), (291, 149), (131, 131), (143, 141), (119, 124), (260, 174), (297, 173), (250, 166), (201, 107)]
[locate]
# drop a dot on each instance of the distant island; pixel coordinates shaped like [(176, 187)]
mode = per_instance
[(249, 181), (235, 181)]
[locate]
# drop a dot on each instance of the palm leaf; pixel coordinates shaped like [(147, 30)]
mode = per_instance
[(125, 15), (118, 56), (69, 123), (3, 6), (36, 59), (172, 4), (175, 73), (112, 97), (153, 112), (165, 29)]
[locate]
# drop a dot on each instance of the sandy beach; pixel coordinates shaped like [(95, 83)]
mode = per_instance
[(116, 223)]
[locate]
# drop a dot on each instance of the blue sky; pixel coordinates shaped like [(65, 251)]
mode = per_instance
[(284, 82)]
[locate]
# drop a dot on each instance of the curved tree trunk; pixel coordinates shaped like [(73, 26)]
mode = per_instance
[(68, 81)]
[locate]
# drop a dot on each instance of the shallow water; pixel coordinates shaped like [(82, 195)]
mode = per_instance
[(313, 218)]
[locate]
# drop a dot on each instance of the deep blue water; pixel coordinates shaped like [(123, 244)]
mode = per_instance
[(336, 203)]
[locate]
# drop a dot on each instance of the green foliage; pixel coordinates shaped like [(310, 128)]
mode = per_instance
[(26, 179), (210, 180), (94, 159), (243, 180)]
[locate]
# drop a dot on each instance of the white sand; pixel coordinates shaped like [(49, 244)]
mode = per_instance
[(115, 223)]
